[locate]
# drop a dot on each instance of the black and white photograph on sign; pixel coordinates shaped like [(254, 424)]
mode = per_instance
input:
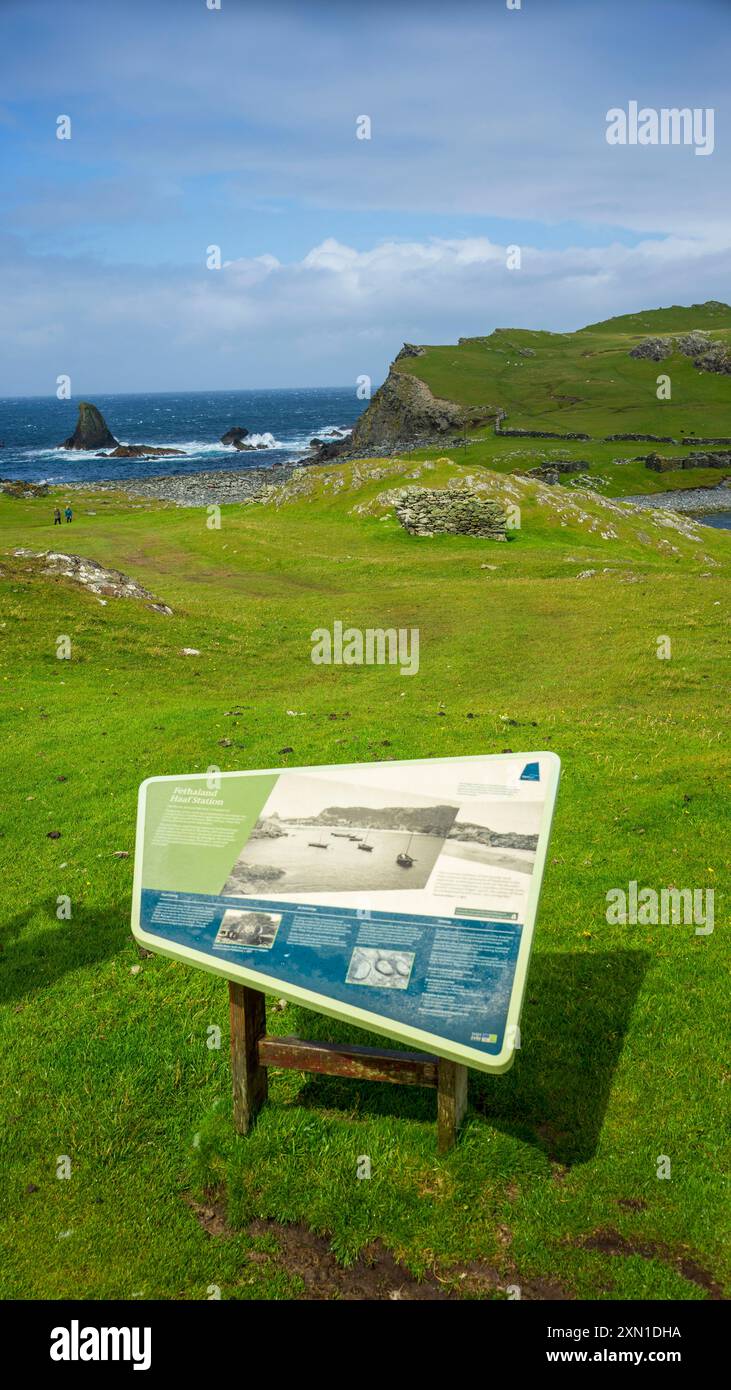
[(255, 930), (316, 835), (380, 969), (503, 835)]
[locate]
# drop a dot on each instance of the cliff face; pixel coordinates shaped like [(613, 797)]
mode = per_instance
[(403, 411)]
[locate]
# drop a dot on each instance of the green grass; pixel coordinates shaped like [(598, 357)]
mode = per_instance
[(622, 1031), (587, 382)]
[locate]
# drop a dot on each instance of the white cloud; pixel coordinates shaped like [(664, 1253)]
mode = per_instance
[(321, 320)]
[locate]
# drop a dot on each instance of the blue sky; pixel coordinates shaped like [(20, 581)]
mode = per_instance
[(194, 127)]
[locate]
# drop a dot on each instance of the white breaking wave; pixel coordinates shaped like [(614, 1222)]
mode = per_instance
[(184, 446), (193, 448)]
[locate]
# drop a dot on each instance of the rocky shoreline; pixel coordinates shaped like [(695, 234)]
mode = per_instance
[(214, 487), (693, 499)]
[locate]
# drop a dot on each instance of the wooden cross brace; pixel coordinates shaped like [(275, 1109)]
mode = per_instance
[(252, 1052)]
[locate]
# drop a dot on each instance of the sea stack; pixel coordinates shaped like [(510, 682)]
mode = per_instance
[(91, 431)]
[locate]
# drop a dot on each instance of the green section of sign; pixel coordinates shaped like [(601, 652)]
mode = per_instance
[(195, 828)]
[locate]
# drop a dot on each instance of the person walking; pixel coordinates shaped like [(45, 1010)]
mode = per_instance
[(57, 517), (68, 513)]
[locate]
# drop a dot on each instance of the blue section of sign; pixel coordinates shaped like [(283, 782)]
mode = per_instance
[(451, 976), (531, 773)]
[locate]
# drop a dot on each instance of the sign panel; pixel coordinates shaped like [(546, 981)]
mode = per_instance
[(399, 896)]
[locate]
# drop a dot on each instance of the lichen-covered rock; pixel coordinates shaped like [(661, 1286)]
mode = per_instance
[(454, 510), (716, 359), (92, 431), (708, 355), (653, 349), (693, 344), (91, 575)]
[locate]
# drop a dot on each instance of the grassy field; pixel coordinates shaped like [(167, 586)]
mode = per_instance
[(553, 1187), (587, 382)]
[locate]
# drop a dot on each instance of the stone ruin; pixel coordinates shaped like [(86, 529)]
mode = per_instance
[(453, 510)]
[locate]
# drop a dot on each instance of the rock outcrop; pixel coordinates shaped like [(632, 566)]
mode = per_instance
[(404, 412), (653, 349), (709, 355), (90, 575), (694, 343), (715, 359), (234, 436), (410, 350), (19, 488), (142, 451), (92, 431), (454, 510), (325, 450)]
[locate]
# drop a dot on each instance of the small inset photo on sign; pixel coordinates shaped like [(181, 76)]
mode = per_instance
[(382, 969), (496, 835), (248, 929)]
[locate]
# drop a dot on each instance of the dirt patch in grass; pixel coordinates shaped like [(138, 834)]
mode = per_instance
[(375, 1275), (610, 1242)]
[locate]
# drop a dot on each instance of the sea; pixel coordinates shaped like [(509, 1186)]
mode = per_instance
[(721, 520), (281, 424), (310, 868)]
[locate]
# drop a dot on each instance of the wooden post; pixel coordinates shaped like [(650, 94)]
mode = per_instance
[(451, 1102), (249, 1077), (252, 1052)]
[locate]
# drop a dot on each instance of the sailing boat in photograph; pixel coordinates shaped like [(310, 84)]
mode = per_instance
[(404, 859), (365, 845)]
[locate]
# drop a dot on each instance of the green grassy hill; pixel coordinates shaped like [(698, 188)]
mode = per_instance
[(549, 641), (586, 381)]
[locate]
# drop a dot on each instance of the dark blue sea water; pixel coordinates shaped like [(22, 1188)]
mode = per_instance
[(721, 520), (280, 423)]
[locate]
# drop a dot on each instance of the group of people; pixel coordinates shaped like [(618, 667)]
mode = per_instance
[(67, 513)]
